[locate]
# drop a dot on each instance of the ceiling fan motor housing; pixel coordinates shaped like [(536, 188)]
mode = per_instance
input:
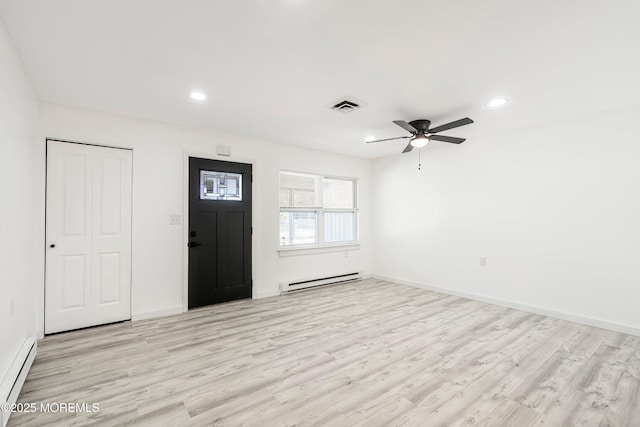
[(421, 125)]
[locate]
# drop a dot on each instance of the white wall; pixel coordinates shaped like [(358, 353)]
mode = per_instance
[(158, 157), (21, 206), (555, 210)]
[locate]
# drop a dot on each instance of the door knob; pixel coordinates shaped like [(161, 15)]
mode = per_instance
[(193, 244), (52, 245)]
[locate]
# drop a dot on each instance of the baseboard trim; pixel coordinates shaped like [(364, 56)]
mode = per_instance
[(266, 294), (14, 380), (157, 313), (598, 323)]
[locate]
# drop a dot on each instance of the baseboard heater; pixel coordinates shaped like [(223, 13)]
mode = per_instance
[(13, 381), (319, 281)]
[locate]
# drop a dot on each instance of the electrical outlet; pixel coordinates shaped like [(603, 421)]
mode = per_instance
[(483, 261), (12, 307), (175, 219)]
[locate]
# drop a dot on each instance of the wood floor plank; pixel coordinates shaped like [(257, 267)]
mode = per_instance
[(367, 353)]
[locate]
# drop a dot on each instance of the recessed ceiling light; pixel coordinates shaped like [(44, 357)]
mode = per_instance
[(370, 138), (496, 102), (198, 96)]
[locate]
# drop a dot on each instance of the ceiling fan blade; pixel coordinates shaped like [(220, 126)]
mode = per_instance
[(388, 139), (408, 148), (451, 139), (457, 123), (406, 126)]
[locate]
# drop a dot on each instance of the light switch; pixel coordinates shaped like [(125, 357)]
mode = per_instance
[(175, 219)]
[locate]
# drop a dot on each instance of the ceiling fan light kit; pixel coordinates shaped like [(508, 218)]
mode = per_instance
[(419, 140), (421, 133)]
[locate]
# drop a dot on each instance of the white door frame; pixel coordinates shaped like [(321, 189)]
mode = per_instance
[(185, 217), (41, 321)]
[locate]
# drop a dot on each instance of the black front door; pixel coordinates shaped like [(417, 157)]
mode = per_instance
[(219, 231)]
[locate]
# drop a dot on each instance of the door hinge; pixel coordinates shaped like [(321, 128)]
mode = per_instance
[(252, 229)]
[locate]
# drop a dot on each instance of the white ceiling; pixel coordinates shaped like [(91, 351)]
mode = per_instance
[(271, 68)]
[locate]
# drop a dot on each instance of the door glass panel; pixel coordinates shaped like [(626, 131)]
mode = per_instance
[(220, 186)]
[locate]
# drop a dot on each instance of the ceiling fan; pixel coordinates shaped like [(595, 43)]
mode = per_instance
[(421, 134)]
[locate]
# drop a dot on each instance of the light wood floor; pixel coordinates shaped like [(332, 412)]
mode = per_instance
[(369, 353)]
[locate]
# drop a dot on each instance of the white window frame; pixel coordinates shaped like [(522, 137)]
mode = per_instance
[(321, 246)]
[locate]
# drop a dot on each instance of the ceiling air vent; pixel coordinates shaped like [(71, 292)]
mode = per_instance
[(345, 106)]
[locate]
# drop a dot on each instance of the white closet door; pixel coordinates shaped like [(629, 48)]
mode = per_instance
[(88, 261)]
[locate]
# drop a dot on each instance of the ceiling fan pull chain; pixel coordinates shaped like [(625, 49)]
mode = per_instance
[(419, 158)]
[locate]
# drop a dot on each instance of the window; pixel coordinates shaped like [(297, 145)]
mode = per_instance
[(317, 211), (220, 186)]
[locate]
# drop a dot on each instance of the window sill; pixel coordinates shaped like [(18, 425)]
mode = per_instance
[(285, 252)]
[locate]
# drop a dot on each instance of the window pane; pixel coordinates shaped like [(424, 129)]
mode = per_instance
[(299, 190), (339, 227), (298, 228), (339, 193), (220, 186)]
